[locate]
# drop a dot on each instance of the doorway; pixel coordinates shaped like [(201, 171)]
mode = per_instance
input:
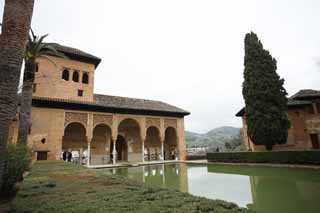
[(42, 155), (315, 141)]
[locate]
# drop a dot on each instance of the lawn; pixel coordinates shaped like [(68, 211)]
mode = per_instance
[(55, 186)]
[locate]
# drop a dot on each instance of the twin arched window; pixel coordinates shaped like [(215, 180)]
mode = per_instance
[(75, 76)]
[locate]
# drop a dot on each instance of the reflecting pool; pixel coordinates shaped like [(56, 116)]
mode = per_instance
[(265, 190)]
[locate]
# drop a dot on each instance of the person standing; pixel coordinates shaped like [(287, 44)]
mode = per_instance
[(69, 156), (64, 156)]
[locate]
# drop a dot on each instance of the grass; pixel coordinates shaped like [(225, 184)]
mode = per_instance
[(55, 186)]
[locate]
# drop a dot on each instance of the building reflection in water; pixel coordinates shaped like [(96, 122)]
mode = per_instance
[(264, 190), (173, 176), (279, 189)]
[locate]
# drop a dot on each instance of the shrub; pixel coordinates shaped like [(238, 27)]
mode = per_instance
[(278, 157), (18, 160), (196, 157)]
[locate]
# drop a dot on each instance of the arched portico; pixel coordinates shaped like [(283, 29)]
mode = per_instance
[(100, 144), (75, 140), (152, 144), (171, 144), (129, 130)]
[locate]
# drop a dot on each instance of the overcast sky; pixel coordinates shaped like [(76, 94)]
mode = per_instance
[(188, 53)]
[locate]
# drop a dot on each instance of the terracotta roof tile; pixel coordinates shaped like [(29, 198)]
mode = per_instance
[(116, 102)]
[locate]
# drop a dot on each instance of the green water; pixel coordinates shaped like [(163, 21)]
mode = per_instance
[(265, 190)]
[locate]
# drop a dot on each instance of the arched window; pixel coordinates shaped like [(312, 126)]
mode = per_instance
[(65, 75), (85, 78), (75, 76)]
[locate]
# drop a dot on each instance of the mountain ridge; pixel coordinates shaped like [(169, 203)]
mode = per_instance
[(216, 137)]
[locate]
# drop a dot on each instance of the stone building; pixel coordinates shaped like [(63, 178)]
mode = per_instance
[(304, 116), (96, 128)]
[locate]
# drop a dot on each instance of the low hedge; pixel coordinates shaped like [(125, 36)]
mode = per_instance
[(196, 157), (278, 157)]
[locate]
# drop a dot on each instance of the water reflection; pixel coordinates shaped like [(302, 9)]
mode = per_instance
[(279, 189), (264, 190), (173, 176)]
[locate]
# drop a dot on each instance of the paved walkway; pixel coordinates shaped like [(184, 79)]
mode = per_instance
[(134, 164)]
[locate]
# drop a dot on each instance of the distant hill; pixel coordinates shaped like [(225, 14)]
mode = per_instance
[(214, 138)]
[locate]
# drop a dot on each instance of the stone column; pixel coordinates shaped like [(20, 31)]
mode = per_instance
[(143, 150), (89, 152), (162, 150), (114, 151)]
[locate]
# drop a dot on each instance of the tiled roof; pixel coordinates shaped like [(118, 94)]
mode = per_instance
[(118, 104), (292, 102), (306, 93), (133, 103), (74, 53)]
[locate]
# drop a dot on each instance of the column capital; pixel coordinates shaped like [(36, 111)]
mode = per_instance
[(161, 139), (114, 138)]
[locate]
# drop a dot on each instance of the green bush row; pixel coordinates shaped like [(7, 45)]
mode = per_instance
[(196, 157), (18, 160), (285, 157)]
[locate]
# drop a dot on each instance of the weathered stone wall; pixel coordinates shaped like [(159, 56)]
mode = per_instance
[(48, 125), (302, 125), (49, 82)]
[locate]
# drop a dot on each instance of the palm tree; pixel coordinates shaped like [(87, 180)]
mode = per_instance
[(16, 22), (35, 49)]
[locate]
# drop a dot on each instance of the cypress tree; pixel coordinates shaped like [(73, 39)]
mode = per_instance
[(264, 95)]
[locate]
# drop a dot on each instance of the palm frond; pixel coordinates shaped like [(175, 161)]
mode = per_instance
[(39, 42)]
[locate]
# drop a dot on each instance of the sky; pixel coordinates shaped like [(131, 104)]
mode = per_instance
[(188, 53)]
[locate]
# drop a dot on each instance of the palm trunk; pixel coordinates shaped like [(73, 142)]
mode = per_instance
[(15, 27), (26, 101)]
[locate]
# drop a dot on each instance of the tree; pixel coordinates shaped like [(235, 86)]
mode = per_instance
[(16, 22), (264, 95), (35, 49), (228, 146)]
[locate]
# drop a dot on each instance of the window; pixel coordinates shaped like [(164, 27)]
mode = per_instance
[(34, 88), (37, 67), (65, 75), (43, 140), (80, 92), (75, 76), (85, 78), (42, 155)]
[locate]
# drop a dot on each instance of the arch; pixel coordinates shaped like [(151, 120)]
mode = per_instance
[(74, 140), (75, 76), (65, 75), (85, 78), (100, 144), (129, 129), (170, 144), (152, 144), (121, 149), (75, 125)]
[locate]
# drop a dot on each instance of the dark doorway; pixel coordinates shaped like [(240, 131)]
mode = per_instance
[(42, 155), (315, 141), (121, 148)]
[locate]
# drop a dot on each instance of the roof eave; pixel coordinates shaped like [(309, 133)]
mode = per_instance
[(36, 102)]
